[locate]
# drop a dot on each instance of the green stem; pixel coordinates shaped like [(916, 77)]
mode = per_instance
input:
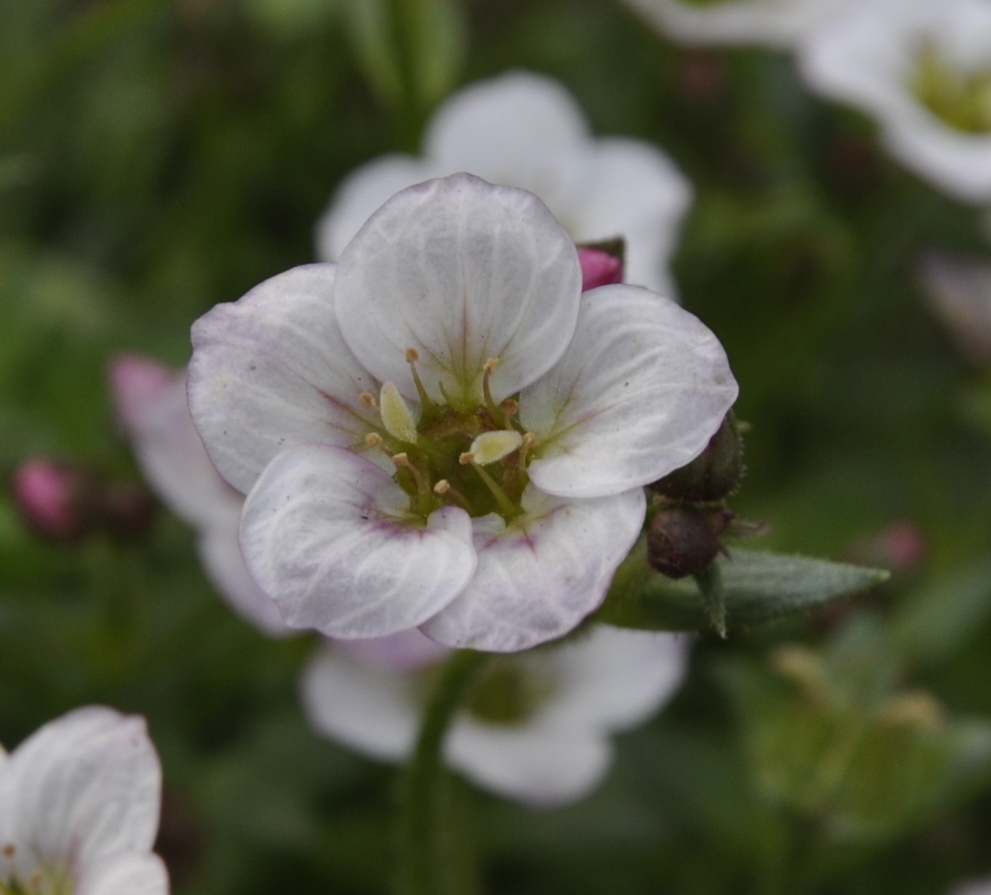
[(424, 834)]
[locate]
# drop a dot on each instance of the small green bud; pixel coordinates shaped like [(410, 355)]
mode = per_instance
[(713, 474), (681, 541)]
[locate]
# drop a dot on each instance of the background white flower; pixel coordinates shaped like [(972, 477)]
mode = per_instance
[(150, 400), (922, 68), (456, 297), (778, 23), (525, 130), (537, 728), (982, 887), (79, 806), (959, 293)]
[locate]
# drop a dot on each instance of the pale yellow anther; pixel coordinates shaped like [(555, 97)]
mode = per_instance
[(412, 355), (396, 415), (466, 459), (490, 447), (402, 460), (442, 487), (368, 399), (490, 365), (373, 440)]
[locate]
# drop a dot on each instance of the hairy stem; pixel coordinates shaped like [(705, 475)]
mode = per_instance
[(426, 834)]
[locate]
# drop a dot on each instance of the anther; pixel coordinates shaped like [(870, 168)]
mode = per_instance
[(509, 409), (442, 487), (368, 399), (8, 851), (491, 447), (396, 415)]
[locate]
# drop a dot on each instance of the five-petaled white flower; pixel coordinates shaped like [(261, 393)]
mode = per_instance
[(525, 130), (777, 23), (443, 430), (79, 804), (536, 726), (923, 69), (150, 400)]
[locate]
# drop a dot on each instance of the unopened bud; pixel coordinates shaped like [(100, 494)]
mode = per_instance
[(599, 268), (55, 499), (713, 474), (681, 541)]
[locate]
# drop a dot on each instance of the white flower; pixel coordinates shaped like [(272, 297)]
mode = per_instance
[(79, 804), (536, 727), (981, 887), (777, 23), (525, 130), (357, 405), (959, 293), (922, 68), (150, 400)]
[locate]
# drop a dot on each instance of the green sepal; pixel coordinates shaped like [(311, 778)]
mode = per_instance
[(756, 587)]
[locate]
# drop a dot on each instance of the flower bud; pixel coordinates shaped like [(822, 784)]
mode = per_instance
[(599, 268), (713, 474), (55, 499), (681, 541)]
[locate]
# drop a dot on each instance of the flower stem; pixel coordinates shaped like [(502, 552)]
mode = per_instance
[(425, 836)]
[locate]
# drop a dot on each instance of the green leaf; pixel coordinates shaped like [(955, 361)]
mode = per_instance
[(757, 587)]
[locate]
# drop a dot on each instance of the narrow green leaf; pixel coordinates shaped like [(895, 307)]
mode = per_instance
[(757, 587)]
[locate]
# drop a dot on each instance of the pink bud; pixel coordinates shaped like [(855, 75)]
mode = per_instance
[(599, 268), (49, 496), (134, 381)]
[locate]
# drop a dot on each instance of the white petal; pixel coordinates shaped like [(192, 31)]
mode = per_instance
[(633, 190), (778, 23), (639, 392), (518, 129), (81, 788), (135, 873), (328, 535), (981, 887), (172, 457), (540, 576), (541, 766), (959, 293), (360, 194), (221, 556), (136, 382), (612, 679), (461, 271), (370, 708), (272, 370)]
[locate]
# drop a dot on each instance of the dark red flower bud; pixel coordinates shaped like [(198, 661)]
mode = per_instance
[(712, 475), (681, 541)]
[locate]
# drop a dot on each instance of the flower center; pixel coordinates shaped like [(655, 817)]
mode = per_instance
[(962, 99), (472, 457)]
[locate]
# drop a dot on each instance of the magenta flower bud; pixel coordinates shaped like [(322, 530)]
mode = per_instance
[(599, 268), (52, 498)]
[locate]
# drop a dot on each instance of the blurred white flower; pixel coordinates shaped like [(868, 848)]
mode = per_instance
[(525, 130), (536, 727), (922, 68), (444, 430), (959, 293), (150, 400), (981, 887), (79, 806), (776, 23)]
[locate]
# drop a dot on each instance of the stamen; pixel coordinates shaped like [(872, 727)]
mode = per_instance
[(368, 399), (447, 397), (490, 447), (487, 370), (377, 442), (510, 408), (529, 440), (412, 356), (423, 491), (396, 415), (444, 489), (506, 506)]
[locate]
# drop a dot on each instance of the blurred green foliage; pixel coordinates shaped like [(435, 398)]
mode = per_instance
[(158, 157)]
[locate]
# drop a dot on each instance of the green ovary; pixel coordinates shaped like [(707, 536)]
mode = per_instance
[(962, 99)]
